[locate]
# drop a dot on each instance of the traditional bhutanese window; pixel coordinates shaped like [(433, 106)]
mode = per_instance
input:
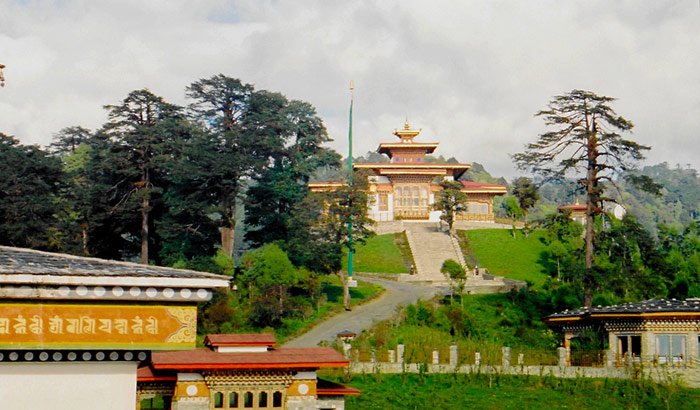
[(262, 399), (277, 399), (383, 201), (248, 400), (424, 197), (233, 400), (416, 196), (406, 199), (670, 347), (218, 400)]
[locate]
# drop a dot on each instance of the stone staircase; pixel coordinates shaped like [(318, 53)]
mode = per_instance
[(430, 248)]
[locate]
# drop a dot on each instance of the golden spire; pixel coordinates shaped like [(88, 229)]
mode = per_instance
[(407, 134)]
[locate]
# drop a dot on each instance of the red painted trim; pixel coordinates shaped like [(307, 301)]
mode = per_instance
[(228, 366)]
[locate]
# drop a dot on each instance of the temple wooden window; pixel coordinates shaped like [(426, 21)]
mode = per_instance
[(248, 400), (262, 399), (630, 345), (218, 400), (277, 399), (670, 348), (233, 400), (383, 201)]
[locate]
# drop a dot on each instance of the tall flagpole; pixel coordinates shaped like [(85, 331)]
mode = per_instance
[(350, 182)]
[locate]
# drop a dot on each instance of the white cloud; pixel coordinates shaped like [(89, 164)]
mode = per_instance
[(471, 74)]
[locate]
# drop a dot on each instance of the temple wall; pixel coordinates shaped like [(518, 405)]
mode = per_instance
[(69, 386)]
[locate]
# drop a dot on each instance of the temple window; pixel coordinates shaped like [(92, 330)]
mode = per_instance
[(233, 400), (383, 201), (218, 400), (277, 399), (248, 400), (630, 345), (670, 348), (262, 402)]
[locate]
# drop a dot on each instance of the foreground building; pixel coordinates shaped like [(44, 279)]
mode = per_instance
[(73, 330), (657, 331), (242, 371), (405, 187)]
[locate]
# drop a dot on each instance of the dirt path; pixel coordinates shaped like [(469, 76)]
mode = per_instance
[(364, 316)]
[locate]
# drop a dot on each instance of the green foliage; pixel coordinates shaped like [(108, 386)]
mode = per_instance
[(489, 391), (484, 323), (29, 184), (451, 201), (585, 137), (525, 191)]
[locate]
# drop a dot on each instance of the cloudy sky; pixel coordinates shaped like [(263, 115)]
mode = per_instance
[(470, 74)]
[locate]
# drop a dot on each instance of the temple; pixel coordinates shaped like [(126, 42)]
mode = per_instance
[(405, 187), (242, 371)]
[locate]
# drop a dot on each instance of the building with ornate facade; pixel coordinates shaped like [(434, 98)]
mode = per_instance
[(73, 330), (657, 331), (404, 188), (243, 371)]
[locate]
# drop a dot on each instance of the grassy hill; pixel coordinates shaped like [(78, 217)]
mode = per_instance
[(381, 254), (503, 255)]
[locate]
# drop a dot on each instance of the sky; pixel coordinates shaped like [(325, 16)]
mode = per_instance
[(470, 74)]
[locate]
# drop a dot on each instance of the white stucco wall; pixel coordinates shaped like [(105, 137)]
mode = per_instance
[(69, 386)]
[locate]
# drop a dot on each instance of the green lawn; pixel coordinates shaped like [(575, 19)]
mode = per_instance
[(503, 255), (380, 255), (481, 391)]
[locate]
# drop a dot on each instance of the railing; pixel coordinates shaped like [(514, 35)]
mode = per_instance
[(411, 213)]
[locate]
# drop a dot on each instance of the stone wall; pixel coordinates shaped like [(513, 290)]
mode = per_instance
[(688, 373)]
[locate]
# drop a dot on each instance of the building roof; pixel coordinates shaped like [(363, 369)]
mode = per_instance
[(282, 358), (573, 207), (29, 273), (244, 339), (646, 309), (415, 168), (146, 374), (423, 147), (478, 187), (328, 388)]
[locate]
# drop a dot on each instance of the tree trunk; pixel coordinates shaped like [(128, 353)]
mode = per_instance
[(591, 203), (84, 229), (346, 289), (144, 229), (227, 235)]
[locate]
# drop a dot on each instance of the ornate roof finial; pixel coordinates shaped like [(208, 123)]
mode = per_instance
[(406, 134)]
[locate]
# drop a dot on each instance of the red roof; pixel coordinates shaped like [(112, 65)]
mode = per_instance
[(327, 388), (245, 339), (146, 374), (283, 358)]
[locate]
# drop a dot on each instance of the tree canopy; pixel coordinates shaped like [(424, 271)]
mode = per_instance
[(585, 140)]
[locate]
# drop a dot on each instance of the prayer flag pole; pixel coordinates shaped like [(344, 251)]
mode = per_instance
[(351, 282)]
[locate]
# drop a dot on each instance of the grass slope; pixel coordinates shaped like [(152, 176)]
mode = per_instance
[(380, 254), (480, 391), (331, 305), (503, 255)]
